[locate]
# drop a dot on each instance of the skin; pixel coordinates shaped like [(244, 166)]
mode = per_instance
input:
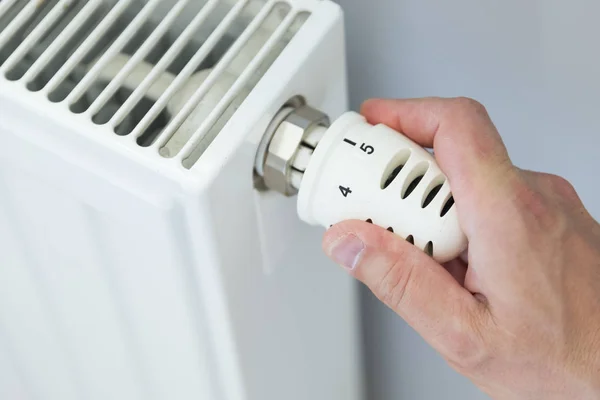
[(519, 315)]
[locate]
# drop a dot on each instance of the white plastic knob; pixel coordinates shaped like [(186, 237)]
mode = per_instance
[(373, 173)]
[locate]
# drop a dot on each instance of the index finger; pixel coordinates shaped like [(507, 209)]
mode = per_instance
[(467, 145)]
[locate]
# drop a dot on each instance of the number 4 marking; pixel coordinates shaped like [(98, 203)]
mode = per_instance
[(345, 191)]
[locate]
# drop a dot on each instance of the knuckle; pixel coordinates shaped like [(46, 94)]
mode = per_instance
[(564, 188), (537, 205), (554, 184), (530, 199), (393, 287), (471, 105)]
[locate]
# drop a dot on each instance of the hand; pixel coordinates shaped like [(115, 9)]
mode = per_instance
[(520, 315)]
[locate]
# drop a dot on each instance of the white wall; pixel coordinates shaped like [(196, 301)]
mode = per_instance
[(535, 64)]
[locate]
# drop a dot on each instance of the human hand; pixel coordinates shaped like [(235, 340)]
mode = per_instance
[(520, 315)]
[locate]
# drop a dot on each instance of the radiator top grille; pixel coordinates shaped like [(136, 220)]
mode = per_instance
[(167, 75)]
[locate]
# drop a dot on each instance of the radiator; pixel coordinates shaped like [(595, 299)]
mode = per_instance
[(164, 170), (138, 261)]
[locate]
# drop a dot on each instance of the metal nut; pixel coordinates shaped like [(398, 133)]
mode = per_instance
[(284, 144)]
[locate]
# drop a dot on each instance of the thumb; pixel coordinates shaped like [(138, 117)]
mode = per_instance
[(411, 283)]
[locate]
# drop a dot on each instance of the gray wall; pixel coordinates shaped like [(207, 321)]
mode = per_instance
[(535, 64)]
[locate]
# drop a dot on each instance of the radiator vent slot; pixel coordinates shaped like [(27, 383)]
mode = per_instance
[(168, 75)]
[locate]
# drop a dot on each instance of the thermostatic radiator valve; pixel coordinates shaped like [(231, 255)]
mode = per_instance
[(353, 170)]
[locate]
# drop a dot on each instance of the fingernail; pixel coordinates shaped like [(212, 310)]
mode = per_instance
[(347, 251)]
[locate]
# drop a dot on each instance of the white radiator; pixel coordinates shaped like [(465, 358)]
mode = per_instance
[(150, 155), (137, 259)]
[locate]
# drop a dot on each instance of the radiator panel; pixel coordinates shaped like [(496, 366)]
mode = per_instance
[(125, 275), (117, 300), (29, 332), (12, 385)]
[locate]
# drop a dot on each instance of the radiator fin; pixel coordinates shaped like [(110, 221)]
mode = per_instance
[(168, 76)]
